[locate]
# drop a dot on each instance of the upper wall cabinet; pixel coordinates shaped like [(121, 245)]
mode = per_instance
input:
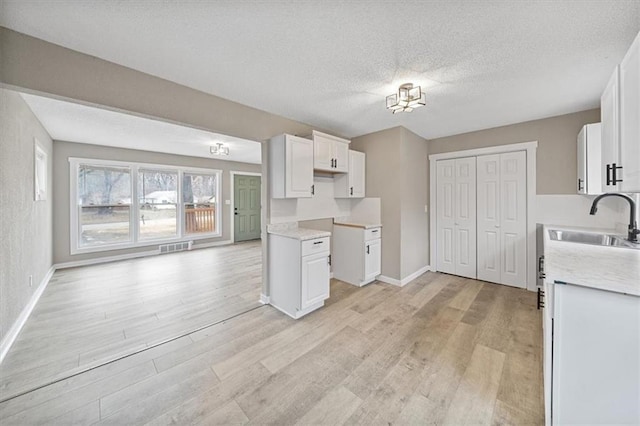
[(620, 114), (330, 153), (589, 159), (291, 167), (351, 185)]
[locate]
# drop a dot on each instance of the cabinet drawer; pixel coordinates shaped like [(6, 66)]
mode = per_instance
[(372, 234), (317, 245)]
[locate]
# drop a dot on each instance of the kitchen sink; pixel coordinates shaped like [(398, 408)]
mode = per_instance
[(591, 238)]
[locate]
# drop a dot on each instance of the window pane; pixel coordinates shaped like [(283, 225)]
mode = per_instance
[(104, 197), (157, 195), (200, 203)]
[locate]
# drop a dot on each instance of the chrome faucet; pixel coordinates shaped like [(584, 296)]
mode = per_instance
[(633, 225)]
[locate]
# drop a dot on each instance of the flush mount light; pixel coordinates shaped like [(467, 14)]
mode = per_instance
[(219, 149), (408, 98)]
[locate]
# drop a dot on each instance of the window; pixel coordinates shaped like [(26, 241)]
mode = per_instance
[(104, 197), (119, 205), (199, 199), (158, 201)]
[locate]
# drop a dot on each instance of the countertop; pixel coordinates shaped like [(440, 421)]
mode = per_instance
[(296, 233), (357, 224), (614, 269)]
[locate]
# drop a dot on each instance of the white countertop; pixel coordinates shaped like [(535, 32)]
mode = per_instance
[(606, 268), (292, 231), (357, 224)]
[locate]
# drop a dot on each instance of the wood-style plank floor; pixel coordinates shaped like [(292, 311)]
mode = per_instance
[(89, 315), (441, 350)]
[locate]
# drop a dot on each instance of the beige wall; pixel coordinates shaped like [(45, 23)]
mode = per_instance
[(383, 162), (25, 245), (61, 204), (414, 221), (556, 155), (42, 67)]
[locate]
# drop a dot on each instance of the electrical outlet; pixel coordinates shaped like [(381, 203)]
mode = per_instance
[(30, 280)]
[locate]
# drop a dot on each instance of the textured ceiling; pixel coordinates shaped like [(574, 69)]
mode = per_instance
[(331, 63), (72, 122)]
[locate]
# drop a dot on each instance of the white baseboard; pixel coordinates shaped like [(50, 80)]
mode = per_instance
[(13, 332), (107, 259), (406, 280), (264, 299)]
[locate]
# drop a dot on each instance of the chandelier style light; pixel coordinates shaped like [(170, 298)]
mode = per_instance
[(407, 99), (219, 149)]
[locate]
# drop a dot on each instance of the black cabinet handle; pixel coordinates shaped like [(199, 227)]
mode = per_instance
[(608, 174), (540, 298), (317, 242), (579, 184), (313, 189), (541, 273), (352, 190), (329, 260), (614, 169), (367, 249)]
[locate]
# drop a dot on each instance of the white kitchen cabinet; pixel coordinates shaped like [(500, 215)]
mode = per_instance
[(291, 167), (352, 184), (298, 274), (330, 153), (589, 159), (357, 253), (591, 356), (619, 112)]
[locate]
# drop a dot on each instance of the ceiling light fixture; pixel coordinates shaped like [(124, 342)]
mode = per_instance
[(219, 149), (407, 99)]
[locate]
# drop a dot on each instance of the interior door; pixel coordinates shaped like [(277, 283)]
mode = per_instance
[(488, 218), (465, 217), (445, 215), (513, 215), (315, 279), (246, 200)]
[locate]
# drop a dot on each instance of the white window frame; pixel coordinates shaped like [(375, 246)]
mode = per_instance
[(134, 168)]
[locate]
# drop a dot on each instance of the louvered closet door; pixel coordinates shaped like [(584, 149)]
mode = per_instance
[(489, 265), (465, 217), (445, 215), (502, 218), (513, 213)]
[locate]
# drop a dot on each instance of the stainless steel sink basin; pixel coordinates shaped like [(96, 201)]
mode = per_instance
[(591, 238)]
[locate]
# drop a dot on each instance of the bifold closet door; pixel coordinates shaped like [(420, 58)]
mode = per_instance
[(456, 216), (502, 218)]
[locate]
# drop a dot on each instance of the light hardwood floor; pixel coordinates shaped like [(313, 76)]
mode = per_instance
[(441, 350), (93, 314)]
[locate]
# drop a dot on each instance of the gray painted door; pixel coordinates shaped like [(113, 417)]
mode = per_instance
[(247, 207)]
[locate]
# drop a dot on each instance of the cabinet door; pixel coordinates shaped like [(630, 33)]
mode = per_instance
[(356, 174), (593, 153), (582, 161), (322, 153), (298, 167), (341, 157), (630, 119), (465, 217), (372, 259), (609, 110), (315, 279), (596, 356), (445, 216)]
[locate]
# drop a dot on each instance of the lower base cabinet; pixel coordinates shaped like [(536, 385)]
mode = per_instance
[(298, 274), (591, 356), (357, 254)]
